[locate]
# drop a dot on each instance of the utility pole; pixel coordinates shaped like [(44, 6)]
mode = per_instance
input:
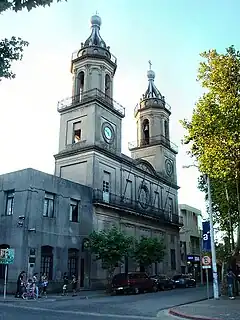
[(214, 260)]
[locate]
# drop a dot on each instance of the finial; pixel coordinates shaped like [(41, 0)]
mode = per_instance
[(96, 12), (150, 64)]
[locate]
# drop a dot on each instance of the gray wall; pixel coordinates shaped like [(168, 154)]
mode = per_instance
[(58, 232)]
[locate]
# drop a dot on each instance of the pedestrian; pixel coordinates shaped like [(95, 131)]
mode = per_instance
[(44, 285), (230, 282), (20, 285), (36, 284), (65, 284), (74, 285)]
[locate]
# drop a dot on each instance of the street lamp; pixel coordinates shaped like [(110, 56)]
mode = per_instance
[(214, 260)]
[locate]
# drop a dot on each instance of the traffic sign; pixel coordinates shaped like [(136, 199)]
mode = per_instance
[(206, 267), (7, 256), (206, 261)]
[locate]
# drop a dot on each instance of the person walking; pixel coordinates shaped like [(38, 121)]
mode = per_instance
[(44, 285), (36, 284), (20, 285), (230, 283), (65, 284), (74, 285)]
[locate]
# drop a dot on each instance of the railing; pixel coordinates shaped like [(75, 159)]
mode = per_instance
[(160, 139), (142, 106), (76, 55), (87, 96), (128, 204)]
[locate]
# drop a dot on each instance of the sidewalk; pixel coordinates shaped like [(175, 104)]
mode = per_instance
[(84, 294), (221, 309)]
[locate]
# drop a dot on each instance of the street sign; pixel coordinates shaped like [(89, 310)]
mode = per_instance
[(7, 256), (206, 237), (206, 261), (206, 267)]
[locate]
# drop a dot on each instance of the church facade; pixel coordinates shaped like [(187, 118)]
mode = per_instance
[(138, 193)]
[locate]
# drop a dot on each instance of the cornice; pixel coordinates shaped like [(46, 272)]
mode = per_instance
[(118, 158)]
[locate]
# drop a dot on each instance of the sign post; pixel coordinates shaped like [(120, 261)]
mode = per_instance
[(206, 264), (6, 257)]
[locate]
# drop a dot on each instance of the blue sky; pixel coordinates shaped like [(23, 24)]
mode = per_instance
[(171, 33)]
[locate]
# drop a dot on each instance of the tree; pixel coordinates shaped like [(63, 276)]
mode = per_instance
[(148, 250), (12, 49), (224, 204), (110, 246), (214, 130)]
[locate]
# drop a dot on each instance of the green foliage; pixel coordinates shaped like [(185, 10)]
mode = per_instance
[(12, 49), (221, 206), (214, 130), (110, 246), (18, 5), (223, 253), (148, 250)]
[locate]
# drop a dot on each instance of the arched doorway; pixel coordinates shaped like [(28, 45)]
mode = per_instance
[(79, 86), (46, 266), (166, 129), (73, 256)]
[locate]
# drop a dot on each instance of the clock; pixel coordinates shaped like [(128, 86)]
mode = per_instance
[(169, 167), (108, 132)]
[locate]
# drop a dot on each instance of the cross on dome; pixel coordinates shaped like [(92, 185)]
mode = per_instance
[(152, 91)]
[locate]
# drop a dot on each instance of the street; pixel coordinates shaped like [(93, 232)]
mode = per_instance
[(142, 306)]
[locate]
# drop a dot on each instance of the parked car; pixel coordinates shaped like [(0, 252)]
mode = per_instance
[(164, 282), (133, 282), (184, 281)]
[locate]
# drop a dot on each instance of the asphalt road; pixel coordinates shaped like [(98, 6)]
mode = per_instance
[(142, 307)]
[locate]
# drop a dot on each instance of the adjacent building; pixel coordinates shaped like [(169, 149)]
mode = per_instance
[(190, 239), (95, 185)]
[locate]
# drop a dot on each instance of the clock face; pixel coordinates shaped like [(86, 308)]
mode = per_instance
[(108, 133)]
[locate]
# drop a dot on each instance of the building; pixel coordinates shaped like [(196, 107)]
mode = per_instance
[(137, 193), (190, 239)]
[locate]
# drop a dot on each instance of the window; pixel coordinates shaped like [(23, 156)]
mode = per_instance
[(79, 86), (145, 132), (107, 85), (166, 129), (46, 266), (170, 208), (156, 202), (73, 215), (77, 132), (9, 203), (173, 259), (73, 262), (48, 209)]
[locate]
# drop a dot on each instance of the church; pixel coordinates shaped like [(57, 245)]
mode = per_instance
[(46, 218)]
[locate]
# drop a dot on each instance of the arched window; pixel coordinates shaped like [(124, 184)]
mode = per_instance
[(79, 86), (47, 261), (107, 85), (145, 132), (2, 266), (166, 129), (73, 255)]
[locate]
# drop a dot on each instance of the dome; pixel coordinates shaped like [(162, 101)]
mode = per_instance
[(96, 20), (150, 74)]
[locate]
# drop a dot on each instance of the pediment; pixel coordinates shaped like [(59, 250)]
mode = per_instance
[(145, 166)]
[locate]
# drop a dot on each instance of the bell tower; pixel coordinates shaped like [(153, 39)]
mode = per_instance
[(91, 121), (153, 143)]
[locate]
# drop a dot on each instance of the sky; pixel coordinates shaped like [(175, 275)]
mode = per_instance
[(170, 33)]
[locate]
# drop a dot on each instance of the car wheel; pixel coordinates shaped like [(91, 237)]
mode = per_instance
[(155, 289), (136, 290), (186, 285), (162, 287), (173, 287)]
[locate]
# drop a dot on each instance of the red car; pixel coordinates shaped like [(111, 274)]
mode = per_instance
[(133, 282)]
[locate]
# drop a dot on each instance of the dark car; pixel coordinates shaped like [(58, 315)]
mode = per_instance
[(133, 282), (184, 281), (164, 282)]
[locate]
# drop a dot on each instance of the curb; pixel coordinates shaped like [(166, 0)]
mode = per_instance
[(175, 313)]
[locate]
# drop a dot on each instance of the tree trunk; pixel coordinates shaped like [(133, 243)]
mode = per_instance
[(109, 280), (238, 203), (224, 279)]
